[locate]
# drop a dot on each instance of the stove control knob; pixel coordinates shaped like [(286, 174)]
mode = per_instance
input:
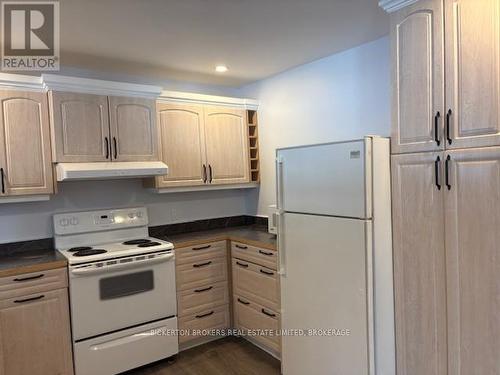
[(64, 222), (73, 221)]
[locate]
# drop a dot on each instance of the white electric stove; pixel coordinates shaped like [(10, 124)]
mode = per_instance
[(122, 290)]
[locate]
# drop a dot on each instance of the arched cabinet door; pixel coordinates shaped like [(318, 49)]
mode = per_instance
[(25, 159), (226, 139), (133, 129)]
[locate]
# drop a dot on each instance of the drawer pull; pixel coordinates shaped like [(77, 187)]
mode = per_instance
[(268, 313), (242, 264), (265, 253), (20, 279), (204, 315), (29, 299), (241, 247), (243, 302), (266, 272), (202, 264), (202, 247), (203, 290)]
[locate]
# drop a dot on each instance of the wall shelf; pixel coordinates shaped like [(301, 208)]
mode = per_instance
[(253, 143)]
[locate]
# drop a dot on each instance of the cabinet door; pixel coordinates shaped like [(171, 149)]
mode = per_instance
[(473, 72), (133, 128), (80, 127), (473, 261), (419, 264), (182, 145), (418, 77), (35, 335), (25, 143), (226, 137)]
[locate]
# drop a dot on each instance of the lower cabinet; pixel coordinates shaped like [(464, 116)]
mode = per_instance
[(35, 333)]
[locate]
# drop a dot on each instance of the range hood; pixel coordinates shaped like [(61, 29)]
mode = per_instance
[(110, 170)]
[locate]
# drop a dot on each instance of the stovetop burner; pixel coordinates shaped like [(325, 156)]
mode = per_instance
[(139, 241), (79, 248), (88, 252), (149, 244)]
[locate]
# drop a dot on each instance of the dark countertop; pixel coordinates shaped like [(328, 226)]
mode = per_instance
[(29, 256), (248, 234)]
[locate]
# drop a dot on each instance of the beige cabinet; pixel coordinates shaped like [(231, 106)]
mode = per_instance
[(473, 72), (473, 260), (226, 137), (132, 123), (94, 128), (182, 138), (35, 335), (25, 160), (203, 145), (419, 263), (418, 77), (470, 117)]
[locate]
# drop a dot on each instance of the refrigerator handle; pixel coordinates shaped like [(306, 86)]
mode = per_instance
[(279, 184), (281, 248)]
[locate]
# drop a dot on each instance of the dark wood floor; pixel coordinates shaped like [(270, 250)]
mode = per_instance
[(228, 356)]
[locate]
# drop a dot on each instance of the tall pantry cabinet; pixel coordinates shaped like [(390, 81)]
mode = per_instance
[(446, 185)]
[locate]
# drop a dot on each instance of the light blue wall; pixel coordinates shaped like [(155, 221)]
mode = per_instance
[(340, 97)]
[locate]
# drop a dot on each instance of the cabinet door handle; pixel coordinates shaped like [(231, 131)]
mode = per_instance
[(436, 172), (210, 173), (116, 148), (447, 172), (241, 247), (448, 127), (204, 315), (268, 313), (107, 147), (265, 253), (204, 174), (203, 290), (20, 279), (29, 299), (202, 247), (266, 272), (242, 264), (3, 180), (436, 128), (202, 264), (243, 302)]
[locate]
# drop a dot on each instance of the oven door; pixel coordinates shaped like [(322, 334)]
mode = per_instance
[(112, 295)]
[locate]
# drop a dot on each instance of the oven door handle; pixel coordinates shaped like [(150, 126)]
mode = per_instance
[(122, 266)]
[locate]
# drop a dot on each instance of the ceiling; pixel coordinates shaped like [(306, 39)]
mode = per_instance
[(185, 39)]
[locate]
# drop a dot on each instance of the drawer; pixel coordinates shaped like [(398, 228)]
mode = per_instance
[(199, 273), (263, 323), (31, 283), (209, 250), (260, 284), (263, 257), (192, 326), (201, 298)]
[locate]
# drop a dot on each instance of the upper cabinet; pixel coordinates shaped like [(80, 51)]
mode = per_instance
[(80, 127), (226, 135), (418, 77), (460, 109), (25, 162), (203, 145), (93, 128), (473, 72), (133, 129)]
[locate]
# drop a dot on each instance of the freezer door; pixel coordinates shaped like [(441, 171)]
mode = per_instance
[(326, 286), (331, 179)]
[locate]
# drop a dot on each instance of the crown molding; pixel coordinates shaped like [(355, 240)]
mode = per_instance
[(21, 82), (393, 5), (192, 98), (98, 87)]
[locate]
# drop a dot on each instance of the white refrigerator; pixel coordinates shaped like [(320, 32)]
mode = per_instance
[(335, 248)]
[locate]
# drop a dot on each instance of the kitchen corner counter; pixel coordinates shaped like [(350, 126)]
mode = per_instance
[(248, 234), (31, 256)]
